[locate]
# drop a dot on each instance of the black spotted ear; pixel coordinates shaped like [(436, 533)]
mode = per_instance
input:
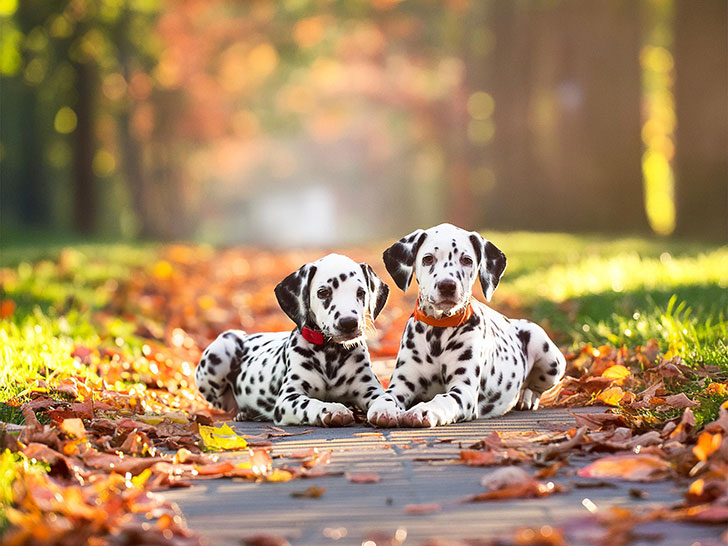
[(399, 259), (293, 294), (378, 291), (491, 263)]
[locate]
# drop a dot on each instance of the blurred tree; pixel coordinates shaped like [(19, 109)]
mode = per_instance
[(701, 95), (567, 147)]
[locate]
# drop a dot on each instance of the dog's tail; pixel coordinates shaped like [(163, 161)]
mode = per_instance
[(219, 364)]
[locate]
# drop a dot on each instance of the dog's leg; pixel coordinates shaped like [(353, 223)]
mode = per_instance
[(388, 410), (545, 361), (297, 408), (211, 375), (458, 403)]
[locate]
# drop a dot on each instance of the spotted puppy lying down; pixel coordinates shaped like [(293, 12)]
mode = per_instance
[(308, 375), (459, 359)]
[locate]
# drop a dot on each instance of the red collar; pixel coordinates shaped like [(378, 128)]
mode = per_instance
[(312, 336), (454, 320)]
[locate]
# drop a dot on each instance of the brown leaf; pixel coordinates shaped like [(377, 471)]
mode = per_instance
[(680, 401), (312, 492)]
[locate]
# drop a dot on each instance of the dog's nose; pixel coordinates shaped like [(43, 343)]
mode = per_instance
[(348, 324), (447, 287)]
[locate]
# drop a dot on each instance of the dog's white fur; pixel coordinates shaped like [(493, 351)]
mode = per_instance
[(482, 368), (283, 376)]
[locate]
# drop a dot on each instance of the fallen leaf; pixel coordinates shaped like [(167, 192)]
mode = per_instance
[(505, 477), (640, 468), (221, 438), (617, 373), (478, 458), (707, 445), (312, 492), (363, 477), (423, 509), (611, 396), (74, 428), (680, 401)]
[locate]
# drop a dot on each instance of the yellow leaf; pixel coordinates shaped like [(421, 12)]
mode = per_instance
[(617, 372), (149, 419), (221, 438), (707, 445), (611, 396), (696, 488), (142, 478), (278, 475)]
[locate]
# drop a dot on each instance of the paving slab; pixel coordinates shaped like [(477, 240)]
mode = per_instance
[(416, 467)]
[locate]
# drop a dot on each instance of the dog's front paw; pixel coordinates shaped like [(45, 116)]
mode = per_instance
[(384, 414), (528, 400), (336, 415), (419, 416)]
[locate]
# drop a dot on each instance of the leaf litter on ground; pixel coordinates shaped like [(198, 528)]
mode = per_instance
[(133, 413)]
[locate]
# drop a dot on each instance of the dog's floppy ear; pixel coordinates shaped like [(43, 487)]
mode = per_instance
[(293, 292), (399, 259), (378, 290), (491, 263)]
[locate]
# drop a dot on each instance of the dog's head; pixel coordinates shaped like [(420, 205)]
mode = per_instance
[(335, 295), (446, 261)]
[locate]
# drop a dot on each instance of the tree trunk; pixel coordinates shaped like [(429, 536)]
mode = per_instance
[(701, 96), (85, 199)]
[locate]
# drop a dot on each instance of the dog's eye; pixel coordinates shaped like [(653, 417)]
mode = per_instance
[(360, 293), (323, 292), (428, 259), (466, 260)]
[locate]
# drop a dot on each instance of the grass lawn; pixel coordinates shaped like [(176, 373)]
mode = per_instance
[(584, 289)]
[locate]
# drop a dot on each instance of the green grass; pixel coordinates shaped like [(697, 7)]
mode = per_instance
[(624, 292), (56, 296), (584, 289)]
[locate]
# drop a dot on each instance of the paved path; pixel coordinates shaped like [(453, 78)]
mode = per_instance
[(412, 472)]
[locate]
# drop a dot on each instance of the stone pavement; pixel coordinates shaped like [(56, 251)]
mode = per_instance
[(412, 472)]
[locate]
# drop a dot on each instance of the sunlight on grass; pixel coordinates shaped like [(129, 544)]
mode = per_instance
[(623, 273), (40, 346)]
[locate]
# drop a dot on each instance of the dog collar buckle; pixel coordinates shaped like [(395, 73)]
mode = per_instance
[(312, 336)]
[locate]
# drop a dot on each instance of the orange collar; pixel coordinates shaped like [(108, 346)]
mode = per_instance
[(454, 320)]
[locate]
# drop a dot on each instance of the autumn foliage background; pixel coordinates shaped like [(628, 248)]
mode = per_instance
[(320, 122), (163, 164)]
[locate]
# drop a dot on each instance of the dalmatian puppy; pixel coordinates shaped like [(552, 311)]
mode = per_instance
[(306, 376), (459, 359)]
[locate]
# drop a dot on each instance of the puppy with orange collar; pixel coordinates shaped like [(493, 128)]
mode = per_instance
[(459, 359)]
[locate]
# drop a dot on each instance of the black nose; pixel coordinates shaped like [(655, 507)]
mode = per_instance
[(447, 287), (348, 324)]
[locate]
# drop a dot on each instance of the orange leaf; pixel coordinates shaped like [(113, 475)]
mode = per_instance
[(611, 396), (363, 477), (707, 445), (478, 458), (7, 308), (216, 468), (638, 468), (74, 428)]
